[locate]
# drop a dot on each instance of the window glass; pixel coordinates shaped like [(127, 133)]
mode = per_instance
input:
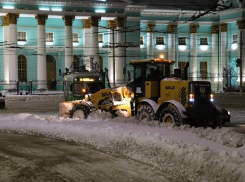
[(75, 37), (160, 40), (203, 41), (182, 40)]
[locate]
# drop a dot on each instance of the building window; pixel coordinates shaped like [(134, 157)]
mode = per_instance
[(203, 41), (49, 37), (21, 36), (75, 37), (234, 38), (182, 40), (22, 68), (203, 69), (141, 40), (181, 65), (160, 40), (101, 38)]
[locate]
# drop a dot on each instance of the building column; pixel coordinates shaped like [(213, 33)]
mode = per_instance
[(120, 59), (150, 46), (87, 42), (41, 58), (193, 52), (214, 60), (95, 41), (223, 54), (12, 49), (69, 40), (111, 62), (241, 26), (6, 53), (171, 42)]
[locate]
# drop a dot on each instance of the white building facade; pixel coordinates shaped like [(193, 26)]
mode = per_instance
[(39, 38)]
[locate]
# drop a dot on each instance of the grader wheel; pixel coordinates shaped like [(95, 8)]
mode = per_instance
[(146, 112), (171, 115), (80, 112)]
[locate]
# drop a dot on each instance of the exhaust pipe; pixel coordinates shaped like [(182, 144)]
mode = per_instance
[(185, 71)]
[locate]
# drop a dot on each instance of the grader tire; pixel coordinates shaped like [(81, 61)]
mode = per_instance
[(80, 111), (171, 115), (146, 112)]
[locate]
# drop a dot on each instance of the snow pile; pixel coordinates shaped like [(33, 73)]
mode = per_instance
[(223, 136), (182, 160), (99, 115)]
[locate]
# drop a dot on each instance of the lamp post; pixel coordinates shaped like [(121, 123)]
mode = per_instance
[(241, 62)]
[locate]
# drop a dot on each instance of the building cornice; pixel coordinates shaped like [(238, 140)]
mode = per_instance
[(134, 8), (231, 11), (166, 22), (157, 12), (69, 3)]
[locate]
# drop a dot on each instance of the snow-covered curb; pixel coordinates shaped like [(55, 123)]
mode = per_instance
[(185, 162)]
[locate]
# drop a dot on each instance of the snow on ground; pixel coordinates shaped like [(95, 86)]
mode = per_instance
[(179, 153), (187, 154)]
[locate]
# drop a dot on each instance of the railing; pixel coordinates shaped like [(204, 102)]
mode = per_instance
[(24, 87)]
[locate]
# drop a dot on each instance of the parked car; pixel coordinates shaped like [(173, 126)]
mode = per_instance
[(2, 100)]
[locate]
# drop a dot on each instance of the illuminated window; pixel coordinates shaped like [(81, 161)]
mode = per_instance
[(203, 41), (160, 40), (182, 40), (101, 38), (141, 40), (49, 37), (234, 38), (204, 69), (21, 36), (181, 65), (22, 68), (75, 37)]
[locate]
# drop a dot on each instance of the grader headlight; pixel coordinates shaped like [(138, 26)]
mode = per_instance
[(211, 97), (191, 97)]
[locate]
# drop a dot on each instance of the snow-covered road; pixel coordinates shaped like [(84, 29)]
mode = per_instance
[(36, 159), (186, 154)]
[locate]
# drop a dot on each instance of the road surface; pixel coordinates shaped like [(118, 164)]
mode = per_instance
[(32, 158)]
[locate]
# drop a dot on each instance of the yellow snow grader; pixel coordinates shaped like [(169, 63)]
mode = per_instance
[(153, 94)]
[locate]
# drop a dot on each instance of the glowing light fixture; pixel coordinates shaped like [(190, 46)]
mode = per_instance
[(44, 9), (8, 7), (54, 16), (161, 56), (211, 97), (204, 47), (191, 97), (75, 43), (99, 11), (56, 9), (86, 79), (81, 17), (21, 42), (182, 47), (49, 43), (160, 47), (234, 46), (27, 15)]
